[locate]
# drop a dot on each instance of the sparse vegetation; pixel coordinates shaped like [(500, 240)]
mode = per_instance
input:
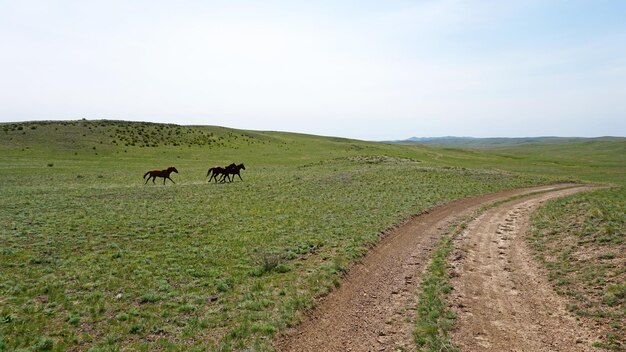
[(434, 318), (582, 241)]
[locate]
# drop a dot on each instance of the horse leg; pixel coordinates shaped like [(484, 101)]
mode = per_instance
[(239, 177), (153, 178), (169, 179), (148, 179)]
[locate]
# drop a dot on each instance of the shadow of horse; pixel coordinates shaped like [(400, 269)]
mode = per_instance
[(165, 174)]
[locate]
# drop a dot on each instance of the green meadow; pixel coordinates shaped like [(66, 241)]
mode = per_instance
[(93, 259)]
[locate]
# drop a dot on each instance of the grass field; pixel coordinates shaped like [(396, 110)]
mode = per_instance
[(582, 241), (93, 259)]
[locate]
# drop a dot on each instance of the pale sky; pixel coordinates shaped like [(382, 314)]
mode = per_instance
[(374, 70)]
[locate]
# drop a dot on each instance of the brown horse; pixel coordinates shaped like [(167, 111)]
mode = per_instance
[(232, 170), (160, 173), (216, 171)]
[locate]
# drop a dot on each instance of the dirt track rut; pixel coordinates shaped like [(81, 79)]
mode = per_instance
[(502, 298), (375, 305)]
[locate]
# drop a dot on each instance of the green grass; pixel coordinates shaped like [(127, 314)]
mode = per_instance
[(434, 317), (581, 239), (91, 258)]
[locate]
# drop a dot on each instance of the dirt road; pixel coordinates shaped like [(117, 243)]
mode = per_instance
[(375, 305), (503, 299)]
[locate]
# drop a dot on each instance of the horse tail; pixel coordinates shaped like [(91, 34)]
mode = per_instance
[(146, 174), (209, 172)]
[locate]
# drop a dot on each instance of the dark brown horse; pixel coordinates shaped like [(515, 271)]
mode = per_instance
[(160, 173), (216, 171), (232, 170)]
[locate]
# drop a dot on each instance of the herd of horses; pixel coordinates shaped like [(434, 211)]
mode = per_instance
[(225, 173), (217, 173)]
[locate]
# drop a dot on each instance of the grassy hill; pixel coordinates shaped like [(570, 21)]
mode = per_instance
[(93, 259)]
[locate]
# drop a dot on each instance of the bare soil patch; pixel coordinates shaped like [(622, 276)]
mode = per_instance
[(374, 308)]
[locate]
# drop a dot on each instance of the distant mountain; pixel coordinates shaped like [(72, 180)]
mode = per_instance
[(471, 142)]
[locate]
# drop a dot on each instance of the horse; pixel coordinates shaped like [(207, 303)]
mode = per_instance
[(233, 170), (215, 171), (160, 173)]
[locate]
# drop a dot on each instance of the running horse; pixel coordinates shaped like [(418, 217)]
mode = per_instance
[(233, 170), (216, 171), (165, 174)]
